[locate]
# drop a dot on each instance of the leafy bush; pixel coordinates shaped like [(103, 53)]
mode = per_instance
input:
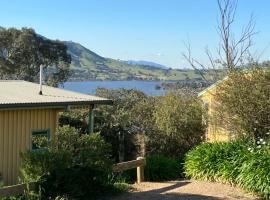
[(75, 165), (77, 118), (111, 120), (161, 168), (235, 162), (171, 124), (244, 98), (177, 124), (127, 176), (118, 119)]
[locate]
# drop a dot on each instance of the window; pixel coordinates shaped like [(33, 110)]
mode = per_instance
[(40, 138)]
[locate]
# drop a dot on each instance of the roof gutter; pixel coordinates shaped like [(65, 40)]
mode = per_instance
[(55, 104)]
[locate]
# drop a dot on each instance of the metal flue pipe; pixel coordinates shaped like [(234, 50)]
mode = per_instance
[(40, 79)]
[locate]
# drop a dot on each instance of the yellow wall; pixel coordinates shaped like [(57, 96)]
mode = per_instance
[(15, 136), (214, 132)]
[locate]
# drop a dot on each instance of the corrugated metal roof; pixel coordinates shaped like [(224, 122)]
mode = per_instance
[(23, 94)]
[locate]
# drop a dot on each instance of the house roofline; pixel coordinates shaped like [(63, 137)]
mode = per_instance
[(55, 104), (211, 86)]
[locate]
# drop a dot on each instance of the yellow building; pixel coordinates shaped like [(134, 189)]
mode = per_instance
[(215, 130), (25, 113)]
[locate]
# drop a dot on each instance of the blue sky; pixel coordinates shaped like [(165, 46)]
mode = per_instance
[(152, 30)]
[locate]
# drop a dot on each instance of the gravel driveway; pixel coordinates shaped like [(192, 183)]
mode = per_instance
[(180, 190)]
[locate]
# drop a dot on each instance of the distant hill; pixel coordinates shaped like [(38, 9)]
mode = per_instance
[(87, 65), (146, 63)]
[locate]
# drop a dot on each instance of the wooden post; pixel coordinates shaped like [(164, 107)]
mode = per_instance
[(91, 119), (121, 139), (140, 172), (139, 164)]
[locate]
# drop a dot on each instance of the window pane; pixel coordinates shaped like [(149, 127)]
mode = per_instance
[(40, 139)]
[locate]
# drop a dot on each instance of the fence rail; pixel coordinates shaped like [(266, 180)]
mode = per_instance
[(16, 189), (128, 165), (21, 188), (139, 164)]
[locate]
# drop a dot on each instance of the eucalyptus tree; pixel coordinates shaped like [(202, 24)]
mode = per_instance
[(23, 51)]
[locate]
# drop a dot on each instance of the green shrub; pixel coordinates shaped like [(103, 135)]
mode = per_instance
[(255, 174), (161, 168), (120, 187), (178, 127), (243, 103), (235, 162), (75, 118), (77, 166), (127, 176), (172, 124)]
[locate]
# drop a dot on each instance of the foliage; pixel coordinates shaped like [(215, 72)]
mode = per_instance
[(77, 118), (196, 84), (122, 187), (27, 197), (178, 124), (124, 102), (245, 99), (237, 162), (77, 166), (161, 168), (127, 176), (170, 125), (23, 51), (117, 120)]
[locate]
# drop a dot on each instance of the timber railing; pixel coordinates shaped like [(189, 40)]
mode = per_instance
[(139, 164), (14, 190)]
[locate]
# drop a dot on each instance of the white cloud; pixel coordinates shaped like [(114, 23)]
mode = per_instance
[(159, 54)]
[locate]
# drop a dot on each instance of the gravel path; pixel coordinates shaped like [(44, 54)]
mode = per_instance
[(184, 190)]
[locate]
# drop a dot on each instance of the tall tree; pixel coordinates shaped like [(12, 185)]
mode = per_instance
[(232, 52), (23, 51)]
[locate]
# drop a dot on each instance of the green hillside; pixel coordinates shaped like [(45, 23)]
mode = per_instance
[(87, 65)]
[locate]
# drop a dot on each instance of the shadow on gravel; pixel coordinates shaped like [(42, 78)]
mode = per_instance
[(183, 196), (158, 194)]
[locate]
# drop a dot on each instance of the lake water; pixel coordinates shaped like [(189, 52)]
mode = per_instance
[(148, 87)]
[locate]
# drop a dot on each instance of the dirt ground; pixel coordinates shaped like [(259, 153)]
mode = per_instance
[(184, 190)]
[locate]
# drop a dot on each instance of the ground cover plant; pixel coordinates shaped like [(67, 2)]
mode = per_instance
[(240, 163)]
